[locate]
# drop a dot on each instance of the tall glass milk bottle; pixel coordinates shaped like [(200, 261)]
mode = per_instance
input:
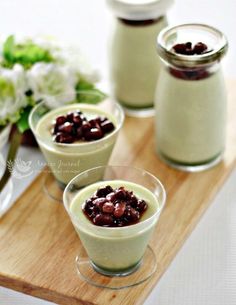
[(134, 67), (191, 97)]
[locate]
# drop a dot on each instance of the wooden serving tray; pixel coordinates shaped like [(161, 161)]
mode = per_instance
[(38, 244)]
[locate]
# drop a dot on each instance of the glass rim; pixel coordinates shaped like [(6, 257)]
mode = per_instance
[(116, 229), (92, 106), (191, 60)]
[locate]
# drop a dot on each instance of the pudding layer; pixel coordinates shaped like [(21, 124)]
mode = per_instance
[(68, 160), (115, 248)]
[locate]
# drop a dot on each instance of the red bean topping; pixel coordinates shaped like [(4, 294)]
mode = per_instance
[(93, 134), (120, 194), (102, 220), (70, 116), (77, 119), (111, 197), (66, 127), (107, 126), (60, 120), (190, 74), (133, 201), (188, 45), (64, 138), (134, 214), (200, 48), (55, 129), (79, 133), (57, 137), (100, 119), (103, 191), (86, 126), (108, 207), (141, 206), (114, 207), (99, 202), (179, 48), (88, 207), (94, 123), (188, 49), (78, 127), (119, 209)]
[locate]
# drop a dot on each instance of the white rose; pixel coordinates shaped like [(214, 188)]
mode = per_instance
[(53, 83), (13, 85)]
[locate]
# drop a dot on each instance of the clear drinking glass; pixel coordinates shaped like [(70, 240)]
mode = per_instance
[(121, 253), (68, 160)]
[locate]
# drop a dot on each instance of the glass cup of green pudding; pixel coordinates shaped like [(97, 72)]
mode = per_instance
[(114, 210), (76, 136)]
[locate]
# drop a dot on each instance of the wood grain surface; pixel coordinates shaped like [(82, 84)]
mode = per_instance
[(38, 244)]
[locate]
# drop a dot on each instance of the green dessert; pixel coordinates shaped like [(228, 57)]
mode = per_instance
[(114, 220), (72, 145), (134, 65), (193, 132)]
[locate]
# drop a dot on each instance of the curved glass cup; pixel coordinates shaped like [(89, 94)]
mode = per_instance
[(121, 253), (68, 160), (6, 194)]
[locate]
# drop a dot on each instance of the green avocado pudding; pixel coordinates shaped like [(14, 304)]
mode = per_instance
[(117, 245), (67, 153)]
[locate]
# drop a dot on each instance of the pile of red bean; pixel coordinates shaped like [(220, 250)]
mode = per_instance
[(188, 49), (75, 126), (110, 207), (190, 73)]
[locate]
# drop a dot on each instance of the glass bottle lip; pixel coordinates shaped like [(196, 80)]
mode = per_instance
[(193, 32), (139, 9)]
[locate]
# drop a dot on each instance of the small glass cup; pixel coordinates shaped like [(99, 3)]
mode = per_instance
[(68, 160), (122, 253)]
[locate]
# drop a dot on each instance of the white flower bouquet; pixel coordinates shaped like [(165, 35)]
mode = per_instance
[(32, 70), (36, 69)]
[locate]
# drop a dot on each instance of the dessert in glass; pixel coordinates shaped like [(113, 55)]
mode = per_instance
[(76, 137), (134, 67), (191, 97), (114, 210)]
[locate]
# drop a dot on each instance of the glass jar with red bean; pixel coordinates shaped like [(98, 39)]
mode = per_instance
[(191, 97)]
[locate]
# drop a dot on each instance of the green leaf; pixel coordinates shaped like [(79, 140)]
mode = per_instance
[(8, 48), (87, 93), (23, 122), (93, 96), (84, 85), (25, 54)]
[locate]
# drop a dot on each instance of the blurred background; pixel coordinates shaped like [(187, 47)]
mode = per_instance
[(88, 23)]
